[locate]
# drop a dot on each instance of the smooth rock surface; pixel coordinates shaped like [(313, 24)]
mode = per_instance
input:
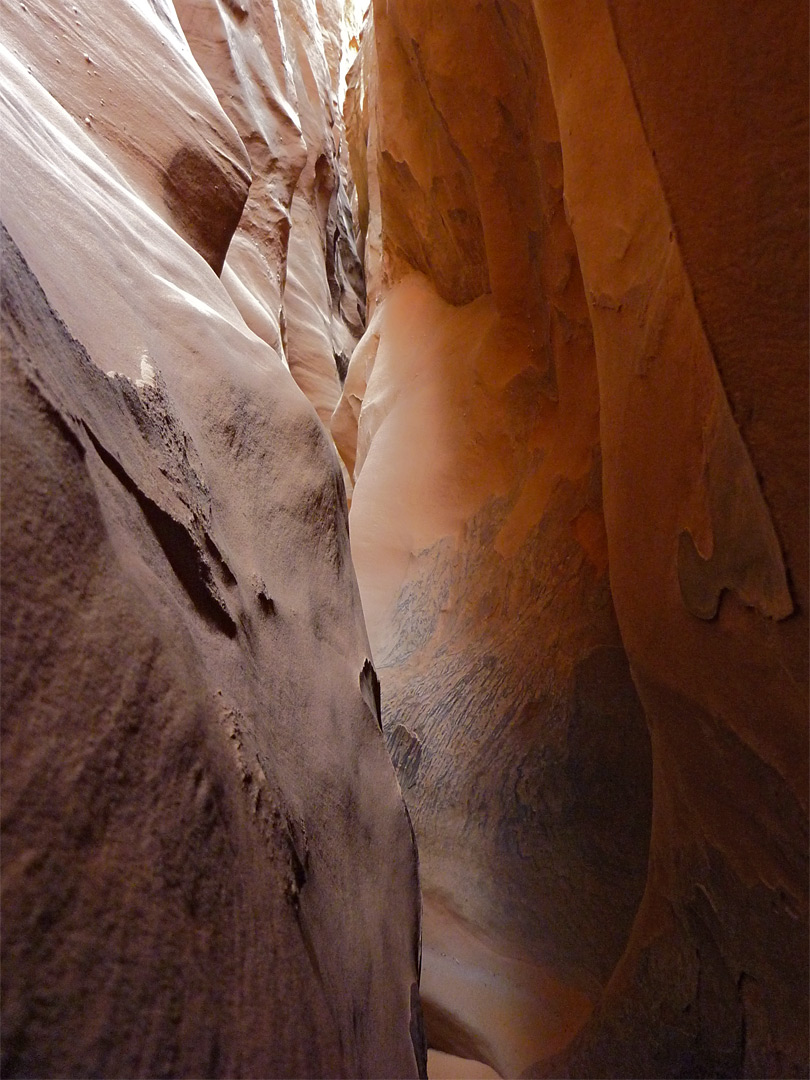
[(292, 268), (470, 418), (576, 424), (207, 866), (702, 555), (592, 393)]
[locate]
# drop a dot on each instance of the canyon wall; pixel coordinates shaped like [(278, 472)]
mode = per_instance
[(543, 277), (577, 427), (207, 869)]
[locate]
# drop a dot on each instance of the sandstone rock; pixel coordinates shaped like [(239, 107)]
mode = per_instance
[(360, 115), (242, 51), (715, 977), (325, 298), (508, 144), (577, 424), (446, 1065), (173, 144), (207, 866), (292, 267), (477, 533)]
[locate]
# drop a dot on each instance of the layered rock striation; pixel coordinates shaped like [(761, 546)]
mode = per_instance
[(564, 247), (207, 866), (577, 425)]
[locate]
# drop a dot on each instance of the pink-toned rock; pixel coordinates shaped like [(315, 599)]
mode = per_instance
[(470, 417), (242, 50), (715, 975), (325, 296), (292, 268), (173, 145), (606, 208), (207, 866)]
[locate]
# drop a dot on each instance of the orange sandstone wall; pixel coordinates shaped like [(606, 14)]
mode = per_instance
[(479, 540), (578, 429), (707, 548)]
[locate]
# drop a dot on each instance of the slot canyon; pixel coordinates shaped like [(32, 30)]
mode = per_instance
[(404, 538)]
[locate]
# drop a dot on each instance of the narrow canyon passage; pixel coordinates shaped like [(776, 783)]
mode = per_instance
[(404, 538)]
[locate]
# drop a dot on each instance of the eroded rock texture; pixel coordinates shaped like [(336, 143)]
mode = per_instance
[(207, 866), (577, 425), (292, 267)]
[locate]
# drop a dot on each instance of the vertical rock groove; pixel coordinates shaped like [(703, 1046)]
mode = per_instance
[(404, 538), (583, 577)]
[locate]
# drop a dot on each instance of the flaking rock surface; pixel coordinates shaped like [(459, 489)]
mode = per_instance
[(207, 866), (577, 425)]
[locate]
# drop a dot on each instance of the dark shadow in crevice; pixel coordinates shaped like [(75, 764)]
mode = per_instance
[(182, 553)]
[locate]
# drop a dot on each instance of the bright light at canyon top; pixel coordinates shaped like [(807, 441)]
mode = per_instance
[(354, 12)]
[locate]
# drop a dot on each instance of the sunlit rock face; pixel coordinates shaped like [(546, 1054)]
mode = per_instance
[(207, 866), (292, 267), (325, 295), (577, 425), (242, 51)]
